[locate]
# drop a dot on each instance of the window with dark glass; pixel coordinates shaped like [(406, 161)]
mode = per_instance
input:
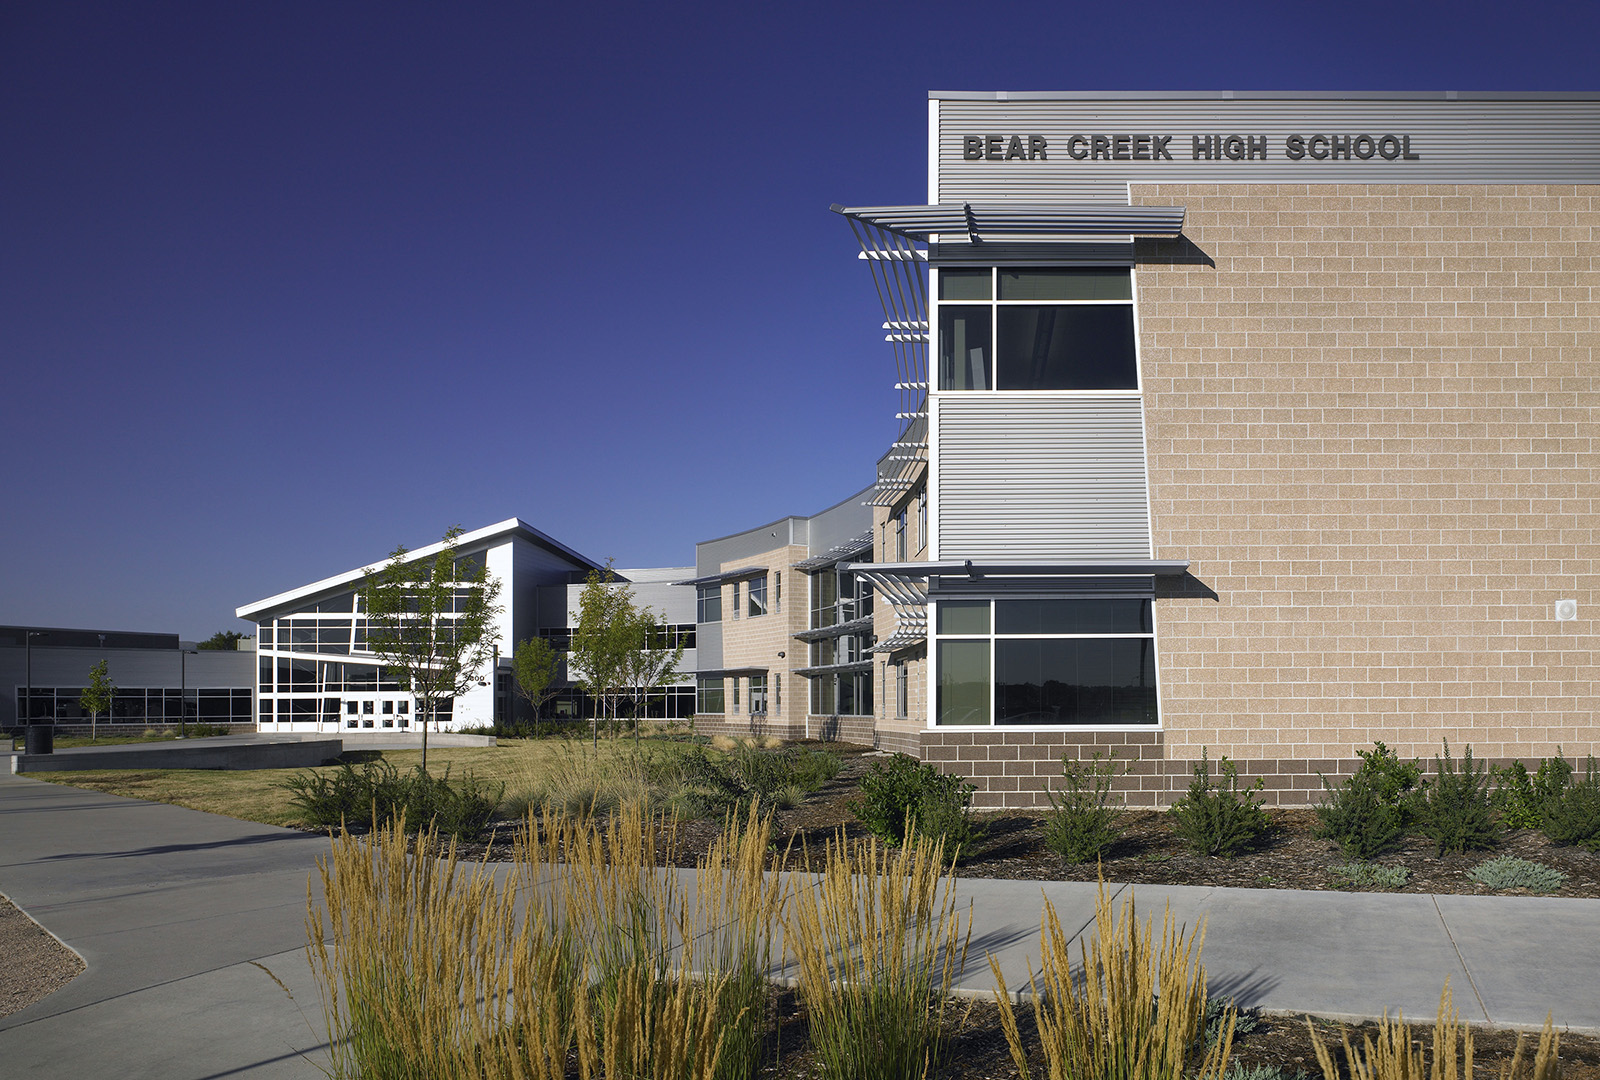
[(708, 604), (708, 695), (1048, 662), (1065, 328), (757, 595)]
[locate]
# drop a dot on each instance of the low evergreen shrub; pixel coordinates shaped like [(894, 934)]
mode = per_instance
[(903, 791), (1572, 813), (1457, 815), (1082, 821), (1365, 876), (1371, 810), (1510, 872), (1514, 798), (1219, 819)]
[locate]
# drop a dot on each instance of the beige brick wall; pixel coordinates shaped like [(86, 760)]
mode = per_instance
[(1371, 417), (756, 642)]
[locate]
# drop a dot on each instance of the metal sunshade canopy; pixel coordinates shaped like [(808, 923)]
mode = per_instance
[(1013, 219)]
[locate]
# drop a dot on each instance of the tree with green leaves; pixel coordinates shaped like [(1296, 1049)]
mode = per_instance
[(653, 662), (97, 696), (535, 665), (602, 641), (223, 640), (431, 621)]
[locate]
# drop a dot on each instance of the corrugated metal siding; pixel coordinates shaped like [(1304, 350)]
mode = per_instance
[(1022, 476), (1003, 253), (1458, 142)]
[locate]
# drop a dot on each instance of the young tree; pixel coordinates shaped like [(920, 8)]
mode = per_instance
[(431, 621), (651, 664), (535, 665), (97, 696), (602, 641)]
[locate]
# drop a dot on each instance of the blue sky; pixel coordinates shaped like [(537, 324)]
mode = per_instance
[(284, 285)]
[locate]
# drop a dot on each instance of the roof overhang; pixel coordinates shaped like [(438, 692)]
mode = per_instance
[(982, 220), (511, 528), (726, 576), (1075, 568)]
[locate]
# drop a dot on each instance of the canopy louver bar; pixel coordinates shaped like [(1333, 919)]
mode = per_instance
[(1011, 219)]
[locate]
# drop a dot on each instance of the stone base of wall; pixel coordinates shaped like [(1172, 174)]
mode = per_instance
[(1015, 769), (105, 729), (748, 726)]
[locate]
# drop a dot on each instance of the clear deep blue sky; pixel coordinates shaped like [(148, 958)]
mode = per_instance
[(283, 285)]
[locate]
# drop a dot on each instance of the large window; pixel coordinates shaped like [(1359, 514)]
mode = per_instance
[(1067, 328), (708, 695), (1046, 662), (758, 596), (758, 695), (708, 603)]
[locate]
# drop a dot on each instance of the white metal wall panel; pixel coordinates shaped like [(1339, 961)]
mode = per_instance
[(1027, 476), (1456, 142)]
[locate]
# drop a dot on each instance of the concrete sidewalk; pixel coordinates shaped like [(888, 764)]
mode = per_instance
[(174, 910)]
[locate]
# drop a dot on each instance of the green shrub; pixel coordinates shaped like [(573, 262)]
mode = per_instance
[(377, 793), (1219, 819), (1457, 815), (206, 731), (1510, 872), (1365, 876), (1218, 1010), (1082, 822), (1372, 809), (1572, 813), (903, 791), (1514, 798)]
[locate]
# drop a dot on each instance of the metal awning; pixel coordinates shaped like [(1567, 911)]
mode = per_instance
[(1068, 568), (854, 626), (847, 550), (1019, 219), (834, 669), (717, 673), (725, 577)]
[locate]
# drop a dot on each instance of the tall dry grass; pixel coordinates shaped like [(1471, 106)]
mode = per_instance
[(1133, 1013), (737, 907), (878, 941), (429, 967), (1396, 1055)]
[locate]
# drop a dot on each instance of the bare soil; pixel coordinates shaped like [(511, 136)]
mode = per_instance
[(33, 964)]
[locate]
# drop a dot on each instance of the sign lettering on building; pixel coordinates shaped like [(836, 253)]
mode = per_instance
[(1361, 147)]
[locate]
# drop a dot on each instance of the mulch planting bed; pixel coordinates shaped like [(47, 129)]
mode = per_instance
[(1149, 853)]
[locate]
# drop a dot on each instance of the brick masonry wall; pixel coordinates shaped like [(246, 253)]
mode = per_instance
[(1371, 427)]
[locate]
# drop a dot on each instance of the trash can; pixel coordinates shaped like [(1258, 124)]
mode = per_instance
[(40, 739)]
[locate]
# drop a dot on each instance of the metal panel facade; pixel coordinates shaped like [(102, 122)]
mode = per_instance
[(1438, 141), (1022, 475)]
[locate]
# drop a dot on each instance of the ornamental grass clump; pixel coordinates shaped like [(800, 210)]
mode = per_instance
[(1398, 1055), (738, 905), (1136, 1010), (428, 968), (879, 942)]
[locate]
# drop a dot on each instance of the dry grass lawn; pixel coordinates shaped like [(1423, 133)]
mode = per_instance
[(524, 765)]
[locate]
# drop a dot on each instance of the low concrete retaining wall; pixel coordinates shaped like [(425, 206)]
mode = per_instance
[(224, 753)]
